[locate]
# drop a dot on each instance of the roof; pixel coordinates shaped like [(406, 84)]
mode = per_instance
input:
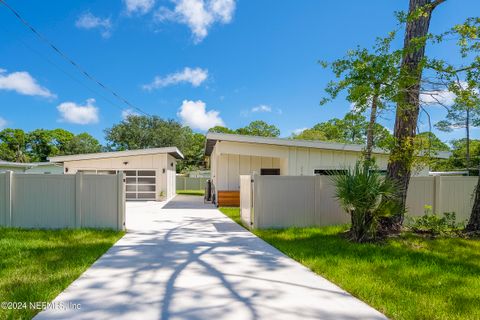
[(213, 138), (24, 164), (173, 151)]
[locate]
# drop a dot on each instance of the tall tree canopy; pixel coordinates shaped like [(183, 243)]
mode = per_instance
[(139, 132), (38, 145), (255, 128), (351, 129)]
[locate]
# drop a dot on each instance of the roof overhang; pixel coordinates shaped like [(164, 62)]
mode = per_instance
[(212, 139), (173, 151)]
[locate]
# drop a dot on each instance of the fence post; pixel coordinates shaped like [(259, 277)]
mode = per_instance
[(120, 202), (78, 199), (8, 198), (437, 196)]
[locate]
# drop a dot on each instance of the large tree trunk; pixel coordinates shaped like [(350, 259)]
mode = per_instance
[(371, 128), (474, 221), (401, 156)]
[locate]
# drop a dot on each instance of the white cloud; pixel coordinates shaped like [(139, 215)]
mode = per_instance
[(79, 114), (138, 6), (3, 123), (198, 15), (128, 112), (195, 115), (88, 21), (193, 76), (23, 83), (299, 130), (262, 108), (442, 97)]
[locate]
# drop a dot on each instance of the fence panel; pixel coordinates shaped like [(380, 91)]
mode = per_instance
[(62, 201), (189, 183), (246, 200), (286, 201)]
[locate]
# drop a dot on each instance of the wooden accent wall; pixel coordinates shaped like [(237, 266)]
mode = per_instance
[(228, 198)]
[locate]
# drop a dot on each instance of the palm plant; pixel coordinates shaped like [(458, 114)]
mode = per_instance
[(366, 195)]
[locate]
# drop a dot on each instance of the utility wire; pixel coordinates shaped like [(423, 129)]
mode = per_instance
[(68, 74), (69, 60)]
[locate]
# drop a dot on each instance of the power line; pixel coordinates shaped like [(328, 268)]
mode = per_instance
[(69, 60)]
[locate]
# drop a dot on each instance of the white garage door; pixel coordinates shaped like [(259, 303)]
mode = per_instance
[(140, 184)]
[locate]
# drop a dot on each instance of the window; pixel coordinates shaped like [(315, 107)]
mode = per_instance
[(270, 172), (328, 172)]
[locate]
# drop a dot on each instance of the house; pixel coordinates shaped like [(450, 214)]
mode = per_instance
[(149, 173), (32, 167), (233, 155)]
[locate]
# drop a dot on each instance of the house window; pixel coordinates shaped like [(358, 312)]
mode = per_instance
[(270, 172), (328, 172)]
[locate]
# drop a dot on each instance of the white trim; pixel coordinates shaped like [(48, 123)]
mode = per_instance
[(117, 154)]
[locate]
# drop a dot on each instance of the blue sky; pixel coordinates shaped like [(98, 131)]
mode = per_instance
[(215, 61)]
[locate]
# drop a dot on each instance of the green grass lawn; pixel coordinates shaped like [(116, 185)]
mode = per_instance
[(36, 265), (191, 192), (408, 277)]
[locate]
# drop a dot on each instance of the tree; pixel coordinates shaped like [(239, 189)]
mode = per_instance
[(39, 144), (464, 114), (193, 153), (370, 82), (13, 145), (259, 128), (408, 105), (220, 129), (351, 129), (139, 132), (81, 143)]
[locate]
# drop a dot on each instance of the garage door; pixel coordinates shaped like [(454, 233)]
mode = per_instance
[(140, 184)]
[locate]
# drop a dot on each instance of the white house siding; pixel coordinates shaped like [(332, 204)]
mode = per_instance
[(43, 169), (229, 160), (165, 181)]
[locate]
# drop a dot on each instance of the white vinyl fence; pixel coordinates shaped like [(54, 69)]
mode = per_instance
[(287, 201), (189, 183), (62, 201)]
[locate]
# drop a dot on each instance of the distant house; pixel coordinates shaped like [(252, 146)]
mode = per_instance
[(234, 155), (149, 173), (33, 167)]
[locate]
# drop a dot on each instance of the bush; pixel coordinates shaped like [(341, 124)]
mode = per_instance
[(432, 224), (367, 196)]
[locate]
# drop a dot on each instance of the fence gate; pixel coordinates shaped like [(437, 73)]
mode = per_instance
[(246, 200)]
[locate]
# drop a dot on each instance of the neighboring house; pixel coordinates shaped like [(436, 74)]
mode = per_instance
[(150, 173), (234, 155), (33, 167)]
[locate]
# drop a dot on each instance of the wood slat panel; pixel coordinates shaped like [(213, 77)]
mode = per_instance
[(229, 198)]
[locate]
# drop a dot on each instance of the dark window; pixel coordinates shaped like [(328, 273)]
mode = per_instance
[(130, 173), (326, 172), (270, 172)]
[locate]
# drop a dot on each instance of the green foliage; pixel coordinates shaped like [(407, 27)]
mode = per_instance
[(220, 129), (140, 132), (351, 129), (434, 225), (367, 196), (13, 145), (259, 128), (37, 145)]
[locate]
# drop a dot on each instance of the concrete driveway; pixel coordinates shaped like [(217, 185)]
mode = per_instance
[(186, 260)]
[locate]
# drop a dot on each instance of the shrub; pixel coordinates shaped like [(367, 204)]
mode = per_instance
[(366, 195), (432, 224)]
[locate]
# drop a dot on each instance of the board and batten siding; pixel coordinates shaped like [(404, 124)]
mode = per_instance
[(165, 181), (229, 160), (54, 201)]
